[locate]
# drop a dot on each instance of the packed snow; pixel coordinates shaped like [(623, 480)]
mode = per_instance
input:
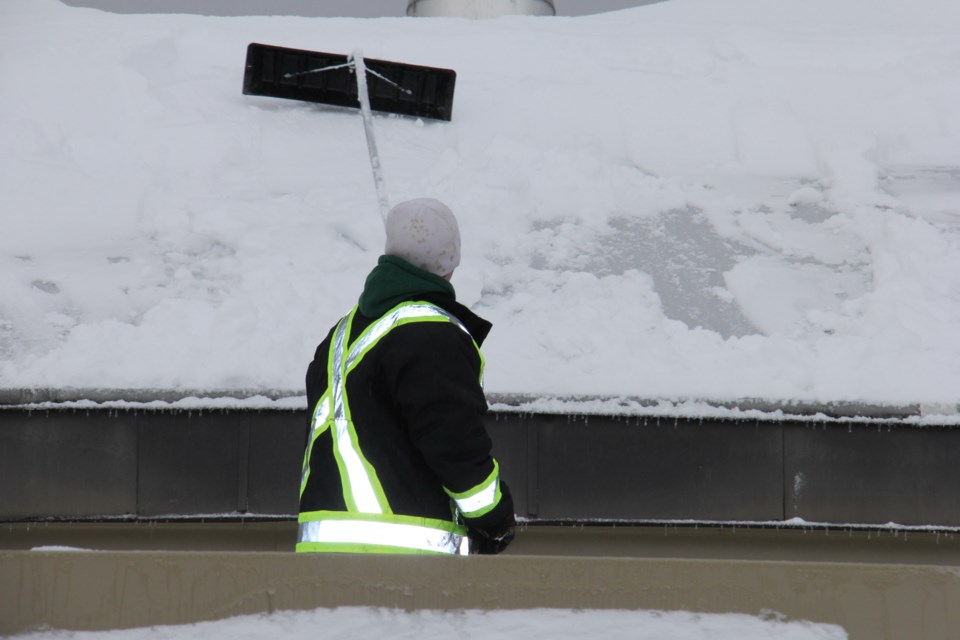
[(548, 624), (696, 199)]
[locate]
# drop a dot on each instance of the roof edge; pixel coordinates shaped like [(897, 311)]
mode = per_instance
[(561, 404)]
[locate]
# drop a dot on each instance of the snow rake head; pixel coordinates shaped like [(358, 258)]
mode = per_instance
[(329, 78)]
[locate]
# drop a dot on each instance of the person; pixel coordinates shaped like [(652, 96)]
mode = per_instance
[(397, 458)]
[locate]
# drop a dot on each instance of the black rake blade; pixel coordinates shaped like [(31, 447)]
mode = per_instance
[(328, 78)]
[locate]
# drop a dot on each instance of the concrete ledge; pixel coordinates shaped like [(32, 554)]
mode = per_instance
[(109, 590), (869, 546)]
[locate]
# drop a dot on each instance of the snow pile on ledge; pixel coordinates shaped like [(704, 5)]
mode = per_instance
[(360, 623)]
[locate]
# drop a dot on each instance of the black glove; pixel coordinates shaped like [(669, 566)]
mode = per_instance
[(488, 544), (493, 532)]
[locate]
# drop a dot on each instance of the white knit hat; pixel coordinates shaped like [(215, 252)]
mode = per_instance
[(424, 232)]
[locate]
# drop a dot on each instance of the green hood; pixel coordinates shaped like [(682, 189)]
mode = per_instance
[(395, 280)]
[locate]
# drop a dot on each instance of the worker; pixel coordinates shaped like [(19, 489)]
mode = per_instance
[(397, 457)]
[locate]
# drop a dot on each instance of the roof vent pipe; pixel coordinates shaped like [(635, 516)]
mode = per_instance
[(479, 9)]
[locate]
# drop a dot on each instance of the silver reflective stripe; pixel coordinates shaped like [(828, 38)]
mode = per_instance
[(387, 322), (360, 486), (391, 534), (320, 416), (483, 499)]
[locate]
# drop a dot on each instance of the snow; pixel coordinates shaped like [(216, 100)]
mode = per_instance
[(691, 201), (363, 622)]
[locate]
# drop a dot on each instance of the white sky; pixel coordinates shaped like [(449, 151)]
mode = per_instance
[(325, 8)]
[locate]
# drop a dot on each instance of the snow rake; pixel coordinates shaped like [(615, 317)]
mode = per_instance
[(351, 81), (328, 78)]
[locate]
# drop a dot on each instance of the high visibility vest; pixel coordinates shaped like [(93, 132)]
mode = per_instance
[(369, 525)]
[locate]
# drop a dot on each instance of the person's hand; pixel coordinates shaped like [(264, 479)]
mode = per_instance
[(485, 543)]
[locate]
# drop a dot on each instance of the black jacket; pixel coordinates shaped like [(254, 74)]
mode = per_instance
[(417, 406)]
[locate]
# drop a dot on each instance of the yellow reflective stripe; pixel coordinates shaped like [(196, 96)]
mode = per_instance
[(352, 547), (482, 498), (337, 531), (401, 314), (483, 362), (434, 523), (362, 490), (404, 313)]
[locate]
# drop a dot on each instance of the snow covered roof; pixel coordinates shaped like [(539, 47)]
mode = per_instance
[(692, 200)]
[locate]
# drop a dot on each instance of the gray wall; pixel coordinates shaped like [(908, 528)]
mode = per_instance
[(78, 464)]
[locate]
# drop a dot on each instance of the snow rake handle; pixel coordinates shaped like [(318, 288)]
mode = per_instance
[(364, 96)]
